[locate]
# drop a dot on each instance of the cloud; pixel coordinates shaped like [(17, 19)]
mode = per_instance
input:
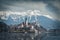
[(18, 15), (18, 6), (54, 8)]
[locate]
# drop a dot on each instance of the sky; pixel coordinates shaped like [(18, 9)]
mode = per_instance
[(46, 7)]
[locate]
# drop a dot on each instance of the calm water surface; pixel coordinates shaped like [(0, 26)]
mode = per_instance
[(28, 36)]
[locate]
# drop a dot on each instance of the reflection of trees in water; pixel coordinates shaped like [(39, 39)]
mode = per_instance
[(40, 36), (20, 36), (26, 36)]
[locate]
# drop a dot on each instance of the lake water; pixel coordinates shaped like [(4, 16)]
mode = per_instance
[(28, 36)]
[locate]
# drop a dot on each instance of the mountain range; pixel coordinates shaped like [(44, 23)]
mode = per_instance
[(46, 22)]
